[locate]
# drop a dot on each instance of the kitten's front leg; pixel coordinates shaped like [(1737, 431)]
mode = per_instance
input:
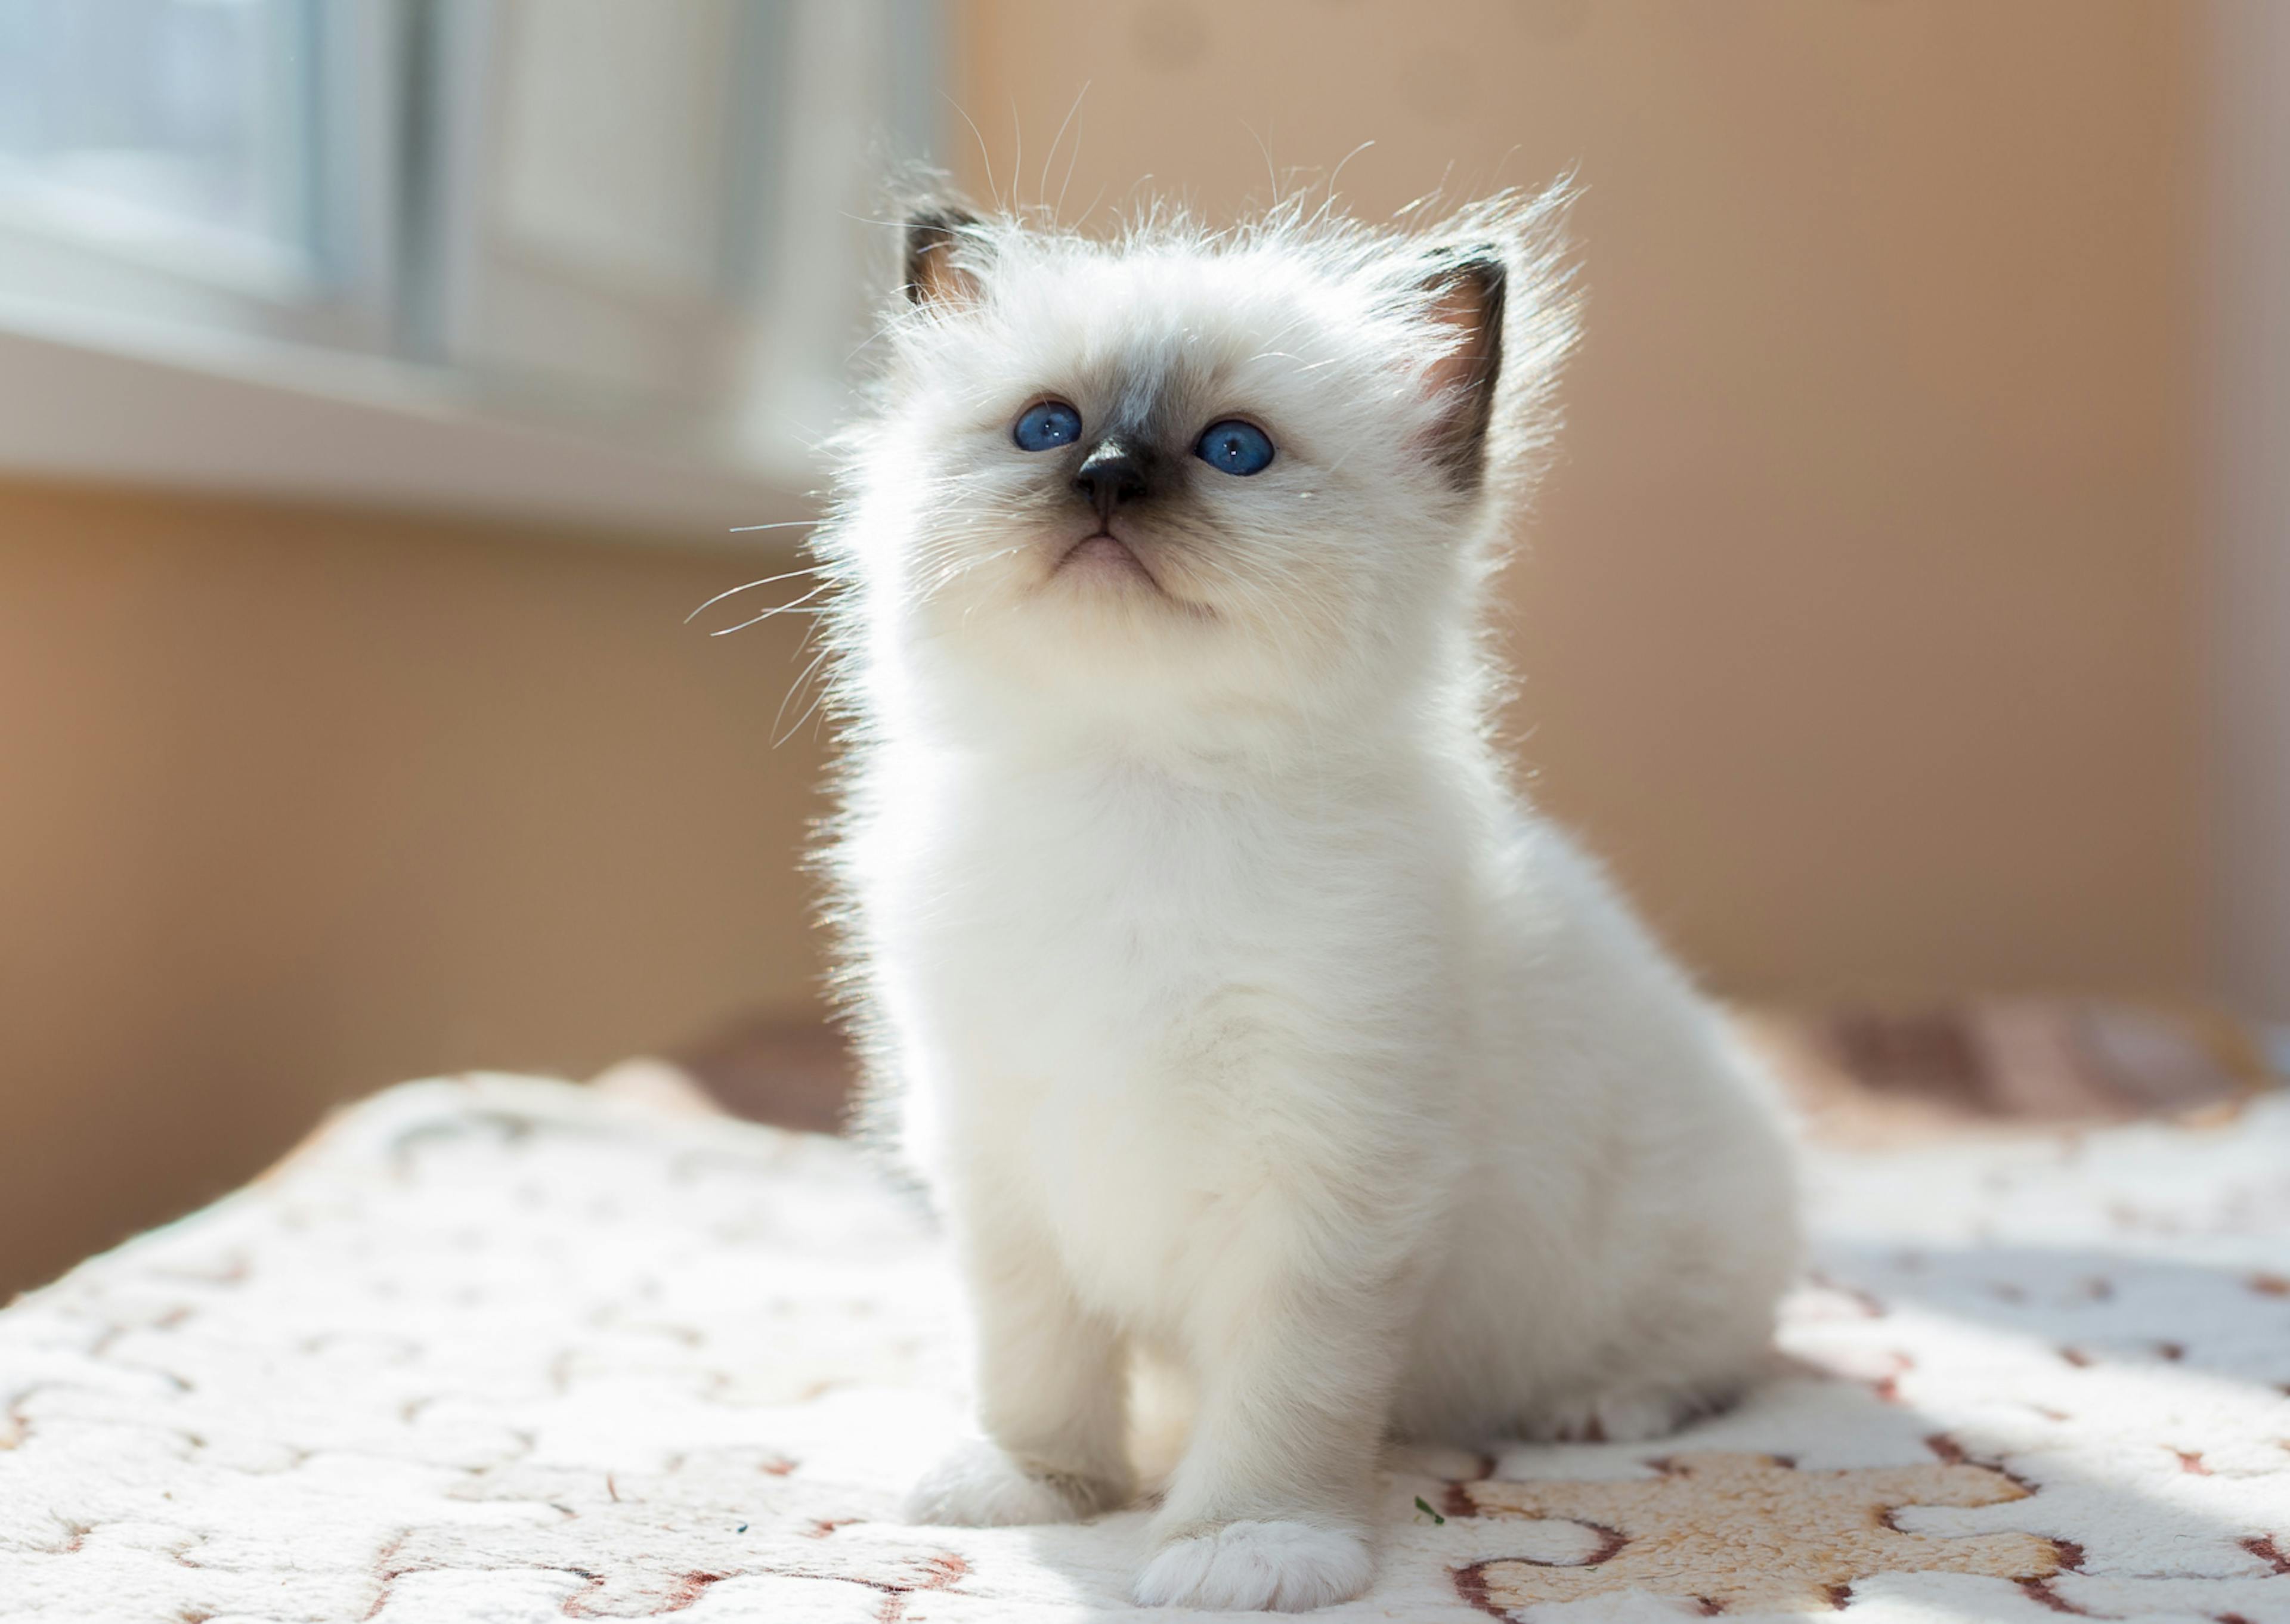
[(1270, 1507), (1052, 1393)]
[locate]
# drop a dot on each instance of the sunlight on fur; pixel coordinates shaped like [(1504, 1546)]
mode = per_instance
[(1228, 1001)]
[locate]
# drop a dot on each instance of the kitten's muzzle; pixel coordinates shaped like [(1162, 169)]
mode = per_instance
[(1112, 474)]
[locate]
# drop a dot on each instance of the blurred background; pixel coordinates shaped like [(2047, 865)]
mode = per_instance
[(383, 382)]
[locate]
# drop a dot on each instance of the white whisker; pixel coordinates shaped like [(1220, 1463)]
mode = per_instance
[(768, 581)]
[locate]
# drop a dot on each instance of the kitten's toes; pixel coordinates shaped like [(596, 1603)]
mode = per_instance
[(1288, 1567), (977, 1485), (1625, 1416)]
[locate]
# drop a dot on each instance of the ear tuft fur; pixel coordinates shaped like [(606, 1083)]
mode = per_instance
[(1467, 283), (933, 276)]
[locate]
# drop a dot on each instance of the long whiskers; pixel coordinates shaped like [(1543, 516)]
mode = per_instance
[(794, 607), (802, 681), (1042, 191), (768, 581)]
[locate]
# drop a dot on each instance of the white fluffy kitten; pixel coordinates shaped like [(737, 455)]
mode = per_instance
[(1232, 1006)]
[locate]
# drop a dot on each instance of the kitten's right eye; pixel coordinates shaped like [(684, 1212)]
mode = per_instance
[(1046, 427)]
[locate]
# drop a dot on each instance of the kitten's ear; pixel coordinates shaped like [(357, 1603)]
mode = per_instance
[(934, 277), (1466, 286)]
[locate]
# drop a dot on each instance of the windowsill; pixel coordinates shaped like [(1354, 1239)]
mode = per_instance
[(87, 396)]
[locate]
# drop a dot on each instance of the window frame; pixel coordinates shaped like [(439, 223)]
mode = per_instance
[(390, 315)]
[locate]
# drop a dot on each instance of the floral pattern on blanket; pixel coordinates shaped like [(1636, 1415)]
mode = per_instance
[(506, 1349)]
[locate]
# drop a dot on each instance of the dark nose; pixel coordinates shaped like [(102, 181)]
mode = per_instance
[(1110, 476)]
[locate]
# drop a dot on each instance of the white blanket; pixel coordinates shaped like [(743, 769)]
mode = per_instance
[(509, 1351)]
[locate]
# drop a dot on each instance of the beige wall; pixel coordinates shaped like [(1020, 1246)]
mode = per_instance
[(2247, 334), (296, 804), (1857, 622)]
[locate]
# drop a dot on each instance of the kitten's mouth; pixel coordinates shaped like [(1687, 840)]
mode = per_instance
[(1103, 553), (1110, 564)]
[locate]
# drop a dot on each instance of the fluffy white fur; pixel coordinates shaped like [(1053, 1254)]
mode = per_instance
[(1231, 1005)]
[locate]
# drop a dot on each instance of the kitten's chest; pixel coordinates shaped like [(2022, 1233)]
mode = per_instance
[(1098, 908), (1119, 998), (1098, 971)]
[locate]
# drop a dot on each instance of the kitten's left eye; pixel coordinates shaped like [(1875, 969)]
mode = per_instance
[(1234, 447), (1046, 427)]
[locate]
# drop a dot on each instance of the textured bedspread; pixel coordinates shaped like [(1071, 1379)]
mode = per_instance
[(510, 1350)]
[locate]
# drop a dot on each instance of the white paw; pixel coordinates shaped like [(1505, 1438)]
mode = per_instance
[(976, 1485), (1621, 1417), (1291, 1567)]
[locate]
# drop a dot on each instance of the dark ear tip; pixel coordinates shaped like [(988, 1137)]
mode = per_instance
[(932, 229), (1466, 283), (934, 222), (1481, 265)]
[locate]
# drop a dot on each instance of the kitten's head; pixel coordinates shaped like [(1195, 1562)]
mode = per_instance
[(1256, 471)]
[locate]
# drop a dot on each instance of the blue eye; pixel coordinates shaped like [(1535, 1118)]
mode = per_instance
[(1234, 447), (1047, 427)]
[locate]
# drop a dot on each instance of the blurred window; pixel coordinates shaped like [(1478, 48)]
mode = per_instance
[(176, 127), (650, 215)]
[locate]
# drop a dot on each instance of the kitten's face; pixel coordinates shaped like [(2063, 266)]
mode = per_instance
[(1166, 473)]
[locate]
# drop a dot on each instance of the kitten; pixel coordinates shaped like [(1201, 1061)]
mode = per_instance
[(1232, 1007)]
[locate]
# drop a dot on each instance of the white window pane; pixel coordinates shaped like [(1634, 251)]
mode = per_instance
[(157, 119), (614, 138)]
